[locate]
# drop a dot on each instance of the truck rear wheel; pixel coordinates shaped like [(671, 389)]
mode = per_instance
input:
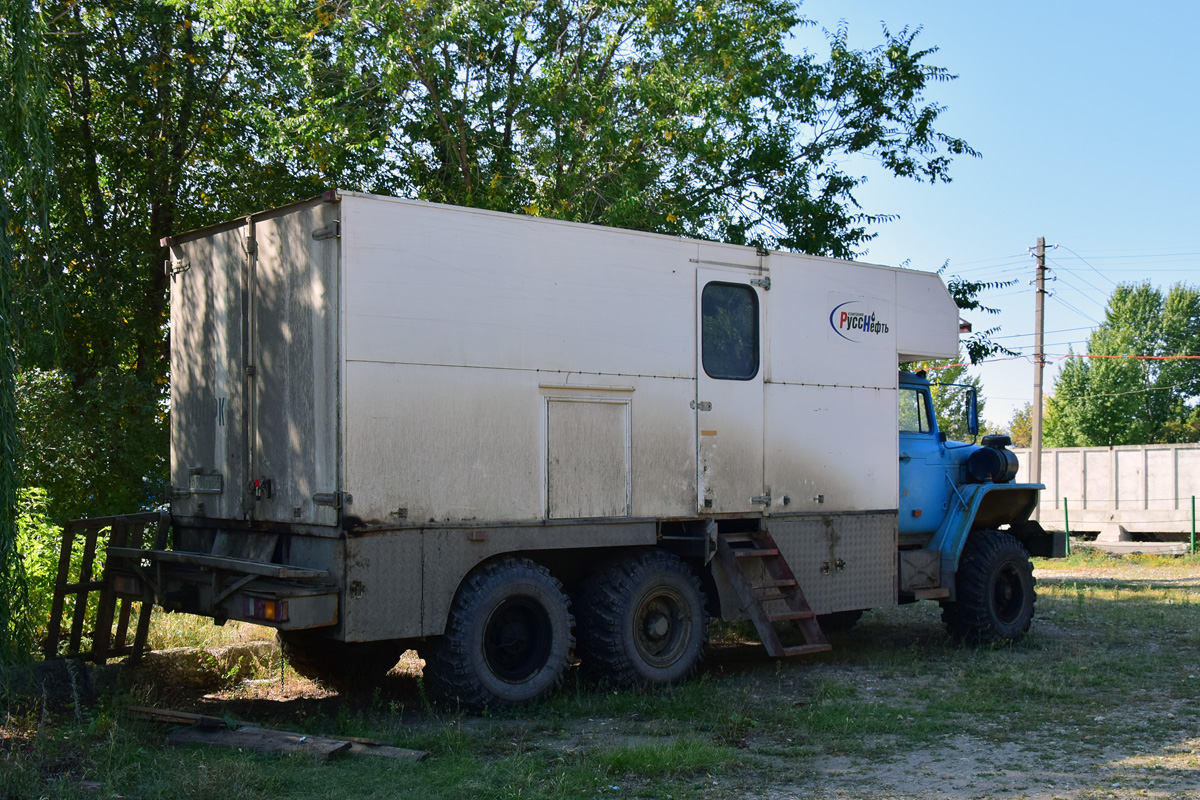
[(642, 621), (340, 665), (995, 590), (508, 638)]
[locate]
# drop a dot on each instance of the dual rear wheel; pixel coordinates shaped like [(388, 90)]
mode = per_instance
[(509, 637)]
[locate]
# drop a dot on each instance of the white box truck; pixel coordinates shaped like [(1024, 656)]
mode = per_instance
[(508, 442)]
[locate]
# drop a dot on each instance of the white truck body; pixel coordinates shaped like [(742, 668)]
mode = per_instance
[(394, 392), (436, 364)]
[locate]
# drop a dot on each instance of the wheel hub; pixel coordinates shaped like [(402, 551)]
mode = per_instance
[(657, 626), (661, 627), (516, 639)]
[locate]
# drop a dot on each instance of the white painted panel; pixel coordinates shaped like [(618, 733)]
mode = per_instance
[(432, 285), (1160, 478), (588, 453), (1131, 482), (815, 325), (729, 413), (834, 443), (1188, 475), (926, 317), (444, 443), (295, 356), (461, 444), (1070, 477), (1099, 483)]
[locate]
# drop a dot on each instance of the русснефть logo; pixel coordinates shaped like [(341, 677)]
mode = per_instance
[(853, 323)]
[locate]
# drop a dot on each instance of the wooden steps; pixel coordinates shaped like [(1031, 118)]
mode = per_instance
[(779, 585)]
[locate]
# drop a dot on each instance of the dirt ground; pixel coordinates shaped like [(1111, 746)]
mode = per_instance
[(1063, 761)]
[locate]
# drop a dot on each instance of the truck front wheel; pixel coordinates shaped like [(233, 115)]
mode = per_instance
[(642, 621), (995, 590), (508, 638)]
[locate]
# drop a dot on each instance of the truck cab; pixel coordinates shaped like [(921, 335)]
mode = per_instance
[(965, 531)]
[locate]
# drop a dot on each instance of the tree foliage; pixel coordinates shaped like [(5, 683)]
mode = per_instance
[(25, 155), (1020, 427), (691, 119), (1126, 391), (950, 380), (979, 345)]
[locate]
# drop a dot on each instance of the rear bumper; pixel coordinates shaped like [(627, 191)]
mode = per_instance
[(223, 588)]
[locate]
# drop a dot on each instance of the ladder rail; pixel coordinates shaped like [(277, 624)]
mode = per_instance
[(110, 610)]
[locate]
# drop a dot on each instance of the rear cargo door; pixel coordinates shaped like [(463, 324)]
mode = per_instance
[(729, 392), (292, 366)]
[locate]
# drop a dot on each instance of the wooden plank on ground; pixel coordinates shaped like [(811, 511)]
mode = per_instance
[(210, 730), (387, 751), (263, 740), (178, 717)]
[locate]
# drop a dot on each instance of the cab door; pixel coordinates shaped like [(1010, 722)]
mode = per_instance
[(924, 465), (729, 393)]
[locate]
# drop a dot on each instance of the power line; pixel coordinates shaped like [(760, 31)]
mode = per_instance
[(1131, 391), (1085, 261), (1060, 330), (1076, 310)]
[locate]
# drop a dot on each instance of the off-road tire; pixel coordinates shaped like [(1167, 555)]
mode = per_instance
[(838, 621), (339, 665), (508, 639), (642, 621), (995, 590)]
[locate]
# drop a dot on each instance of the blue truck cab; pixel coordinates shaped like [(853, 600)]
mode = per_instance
[(965, 529)]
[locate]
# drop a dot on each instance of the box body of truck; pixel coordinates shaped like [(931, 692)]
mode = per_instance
[(391, 392)]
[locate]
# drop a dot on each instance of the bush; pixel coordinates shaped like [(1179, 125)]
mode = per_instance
[(38, 542)]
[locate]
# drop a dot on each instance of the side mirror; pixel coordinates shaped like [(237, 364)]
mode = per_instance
[(973, 412)]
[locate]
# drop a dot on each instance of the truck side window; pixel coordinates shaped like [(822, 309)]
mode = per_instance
[(914, 412), (729, 331)]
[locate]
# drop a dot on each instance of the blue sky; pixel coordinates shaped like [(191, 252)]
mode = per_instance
[(1087, 116)]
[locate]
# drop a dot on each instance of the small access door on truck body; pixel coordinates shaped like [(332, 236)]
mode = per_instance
[(729, 391)]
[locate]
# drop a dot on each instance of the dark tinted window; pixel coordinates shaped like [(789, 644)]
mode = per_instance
[(729, 332)]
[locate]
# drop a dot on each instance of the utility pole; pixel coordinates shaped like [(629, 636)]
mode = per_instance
[(1039, 362)]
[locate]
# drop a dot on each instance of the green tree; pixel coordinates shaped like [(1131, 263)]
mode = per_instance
[(1020, 427), (162, 121), (679, 118), (25, 158), (1127, 390)]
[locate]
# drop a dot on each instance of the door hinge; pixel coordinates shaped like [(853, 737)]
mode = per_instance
[(331, 231), (174, 266), (334, 499), (703, 405), (764, 499), (765, 283)]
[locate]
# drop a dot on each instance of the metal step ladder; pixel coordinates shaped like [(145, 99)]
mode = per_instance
[(777, 588), (127, 530)]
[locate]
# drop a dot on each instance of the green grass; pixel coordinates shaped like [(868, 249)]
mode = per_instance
[(1109, 668)]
